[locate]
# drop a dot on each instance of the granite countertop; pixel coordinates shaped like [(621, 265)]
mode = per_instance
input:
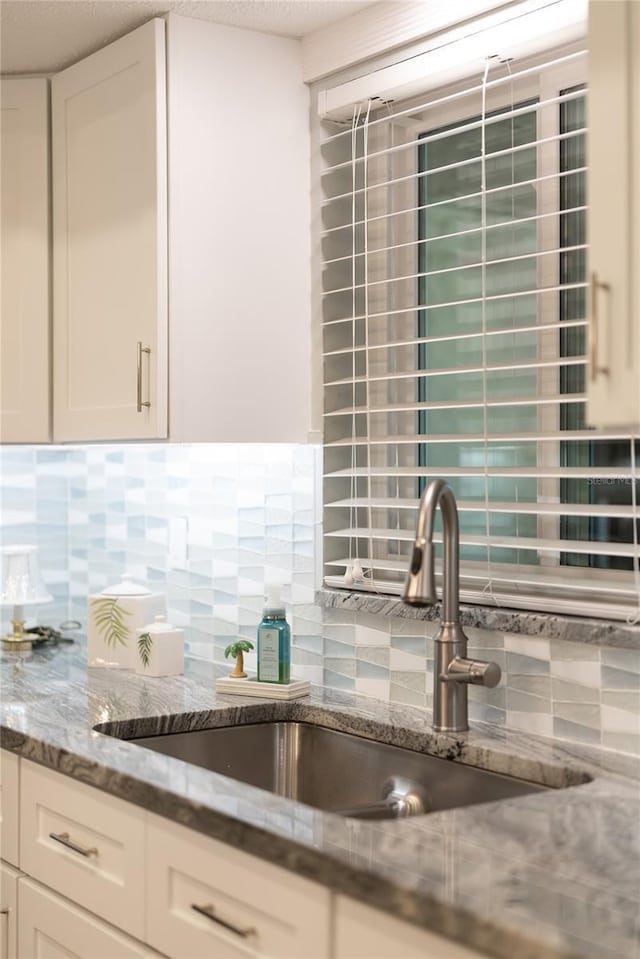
[(551, 875), (579, 629)]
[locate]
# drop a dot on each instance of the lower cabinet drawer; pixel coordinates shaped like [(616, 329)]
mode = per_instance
[(49, 927), (206, 900), (365, 933), (85, 844)]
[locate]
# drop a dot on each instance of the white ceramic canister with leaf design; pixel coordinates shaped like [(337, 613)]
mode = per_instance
[(114, 616), (160, 649)]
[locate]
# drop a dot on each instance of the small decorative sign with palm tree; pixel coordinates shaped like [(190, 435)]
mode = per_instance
[(238, 650)]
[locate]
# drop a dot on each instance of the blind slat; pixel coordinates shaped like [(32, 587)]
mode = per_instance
[(425, 374), (503, 542), (568, 436), (541, 472), (514, 577), (465, 506), (552, 400), (455, 337)]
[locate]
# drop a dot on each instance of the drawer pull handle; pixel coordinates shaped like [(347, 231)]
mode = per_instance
[(64, 838), (139, 402), (210, 913)]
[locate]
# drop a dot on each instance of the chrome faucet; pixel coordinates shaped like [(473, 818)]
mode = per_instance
[(452, 671)]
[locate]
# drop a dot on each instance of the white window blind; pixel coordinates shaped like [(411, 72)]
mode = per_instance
[(454, 244)]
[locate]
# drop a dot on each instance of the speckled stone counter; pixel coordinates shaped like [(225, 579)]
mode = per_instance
[(551, 875), (579, 629)]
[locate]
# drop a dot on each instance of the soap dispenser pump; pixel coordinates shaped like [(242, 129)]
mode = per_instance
[(274, 641)]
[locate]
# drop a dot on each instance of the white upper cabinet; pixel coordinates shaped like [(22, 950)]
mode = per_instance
[(24, 280), (182, 265), (109, 242), (239, 235), (614, 213)]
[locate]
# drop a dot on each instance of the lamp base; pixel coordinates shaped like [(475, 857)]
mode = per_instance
[(17, 640), (16, 645)]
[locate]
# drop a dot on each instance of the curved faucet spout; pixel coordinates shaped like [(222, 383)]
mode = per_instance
[(452, 671), (420, 586)]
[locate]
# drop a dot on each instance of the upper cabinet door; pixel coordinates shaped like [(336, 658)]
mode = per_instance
[(24, 222), (614, 213), (240, 236), (110, 242)]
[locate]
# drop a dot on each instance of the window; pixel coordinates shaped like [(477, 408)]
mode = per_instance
[(454, 337)]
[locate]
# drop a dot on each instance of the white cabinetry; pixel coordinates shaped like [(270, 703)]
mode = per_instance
[(50, 927), (191, 322), (8, 911), (209, 901), (365, 933), (110, 868), (614, 213), (85, 844), (239, 236), (109, 242), (24, 279), (9, 819), (123, 870), (9, 806)]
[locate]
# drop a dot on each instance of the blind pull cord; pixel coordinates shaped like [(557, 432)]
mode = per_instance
[(365, 147), (488, 588), (353, 572)]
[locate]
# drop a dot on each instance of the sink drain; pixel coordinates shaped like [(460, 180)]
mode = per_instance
[(400, 798)]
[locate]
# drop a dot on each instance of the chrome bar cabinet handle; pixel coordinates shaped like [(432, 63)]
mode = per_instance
[(65, 840), (140, 404), (209, 912)]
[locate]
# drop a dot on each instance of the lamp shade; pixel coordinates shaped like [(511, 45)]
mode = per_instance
[(20, 581)]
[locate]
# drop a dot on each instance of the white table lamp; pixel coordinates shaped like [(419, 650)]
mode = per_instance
[(20, 585)]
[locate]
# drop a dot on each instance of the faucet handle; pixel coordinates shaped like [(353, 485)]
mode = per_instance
[(473, 671)]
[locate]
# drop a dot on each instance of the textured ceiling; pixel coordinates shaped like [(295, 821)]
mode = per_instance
[(43, 36)]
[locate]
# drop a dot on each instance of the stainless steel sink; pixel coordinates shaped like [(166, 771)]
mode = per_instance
[(337, 772)]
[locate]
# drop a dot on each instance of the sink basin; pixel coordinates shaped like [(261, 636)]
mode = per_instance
[(335, 771)]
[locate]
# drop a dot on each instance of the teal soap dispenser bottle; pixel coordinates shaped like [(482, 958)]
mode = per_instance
[(274, 641)]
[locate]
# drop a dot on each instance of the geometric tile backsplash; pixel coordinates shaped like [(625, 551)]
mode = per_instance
[(247, 514), (573, 691), (210, 525)]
